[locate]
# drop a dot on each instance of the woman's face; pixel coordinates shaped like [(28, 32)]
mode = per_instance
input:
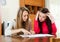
[(25, 15), (42, 17)]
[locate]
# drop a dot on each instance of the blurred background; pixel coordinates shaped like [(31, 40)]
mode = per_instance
[(9, 9)]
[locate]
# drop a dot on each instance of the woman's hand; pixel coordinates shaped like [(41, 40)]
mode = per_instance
[(38, 12), (32, 32), (25, 31), (51, 17)]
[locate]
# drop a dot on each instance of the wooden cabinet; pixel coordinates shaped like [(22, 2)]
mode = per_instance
[(40, 3), (22, 3), (32, 5), (35, 2)]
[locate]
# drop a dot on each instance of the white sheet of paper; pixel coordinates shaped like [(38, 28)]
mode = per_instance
[(37, 35)]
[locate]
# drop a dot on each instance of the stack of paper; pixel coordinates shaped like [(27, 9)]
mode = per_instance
[(37, 35)]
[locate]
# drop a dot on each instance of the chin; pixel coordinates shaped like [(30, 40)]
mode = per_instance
[(24, 20), (41, 21)]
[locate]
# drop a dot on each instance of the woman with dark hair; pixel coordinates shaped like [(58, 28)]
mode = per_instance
[(44, 22)]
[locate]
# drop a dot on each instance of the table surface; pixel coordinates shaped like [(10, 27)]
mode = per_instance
[(20, 39)]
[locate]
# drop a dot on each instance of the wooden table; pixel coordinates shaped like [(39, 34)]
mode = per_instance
[(56, 39), (20, 39)]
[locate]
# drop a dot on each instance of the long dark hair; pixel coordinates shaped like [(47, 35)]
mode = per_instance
[(48, 21)]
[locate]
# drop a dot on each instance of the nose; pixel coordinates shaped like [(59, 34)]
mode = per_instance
[(26, 17)]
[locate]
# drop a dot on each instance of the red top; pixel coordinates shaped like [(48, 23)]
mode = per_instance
[(44, 28)]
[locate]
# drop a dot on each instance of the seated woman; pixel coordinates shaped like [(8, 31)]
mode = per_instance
[(23, 23), (44, 23)]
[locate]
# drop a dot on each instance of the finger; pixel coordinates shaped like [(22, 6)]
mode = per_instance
[(29, 33), (37, 16)]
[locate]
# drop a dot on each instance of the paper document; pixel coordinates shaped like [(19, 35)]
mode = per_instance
[(37, 35)]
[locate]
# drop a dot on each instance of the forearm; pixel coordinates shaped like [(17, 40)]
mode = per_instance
[(16, 31), (52, 21), (51, 18)]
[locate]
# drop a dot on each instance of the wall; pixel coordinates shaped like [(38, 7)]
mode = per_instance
[(0, 19), (9, 11), (54, 7)]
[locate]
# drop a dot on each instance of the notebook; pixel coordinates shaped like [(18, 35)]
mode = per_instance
[(37, 35)]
